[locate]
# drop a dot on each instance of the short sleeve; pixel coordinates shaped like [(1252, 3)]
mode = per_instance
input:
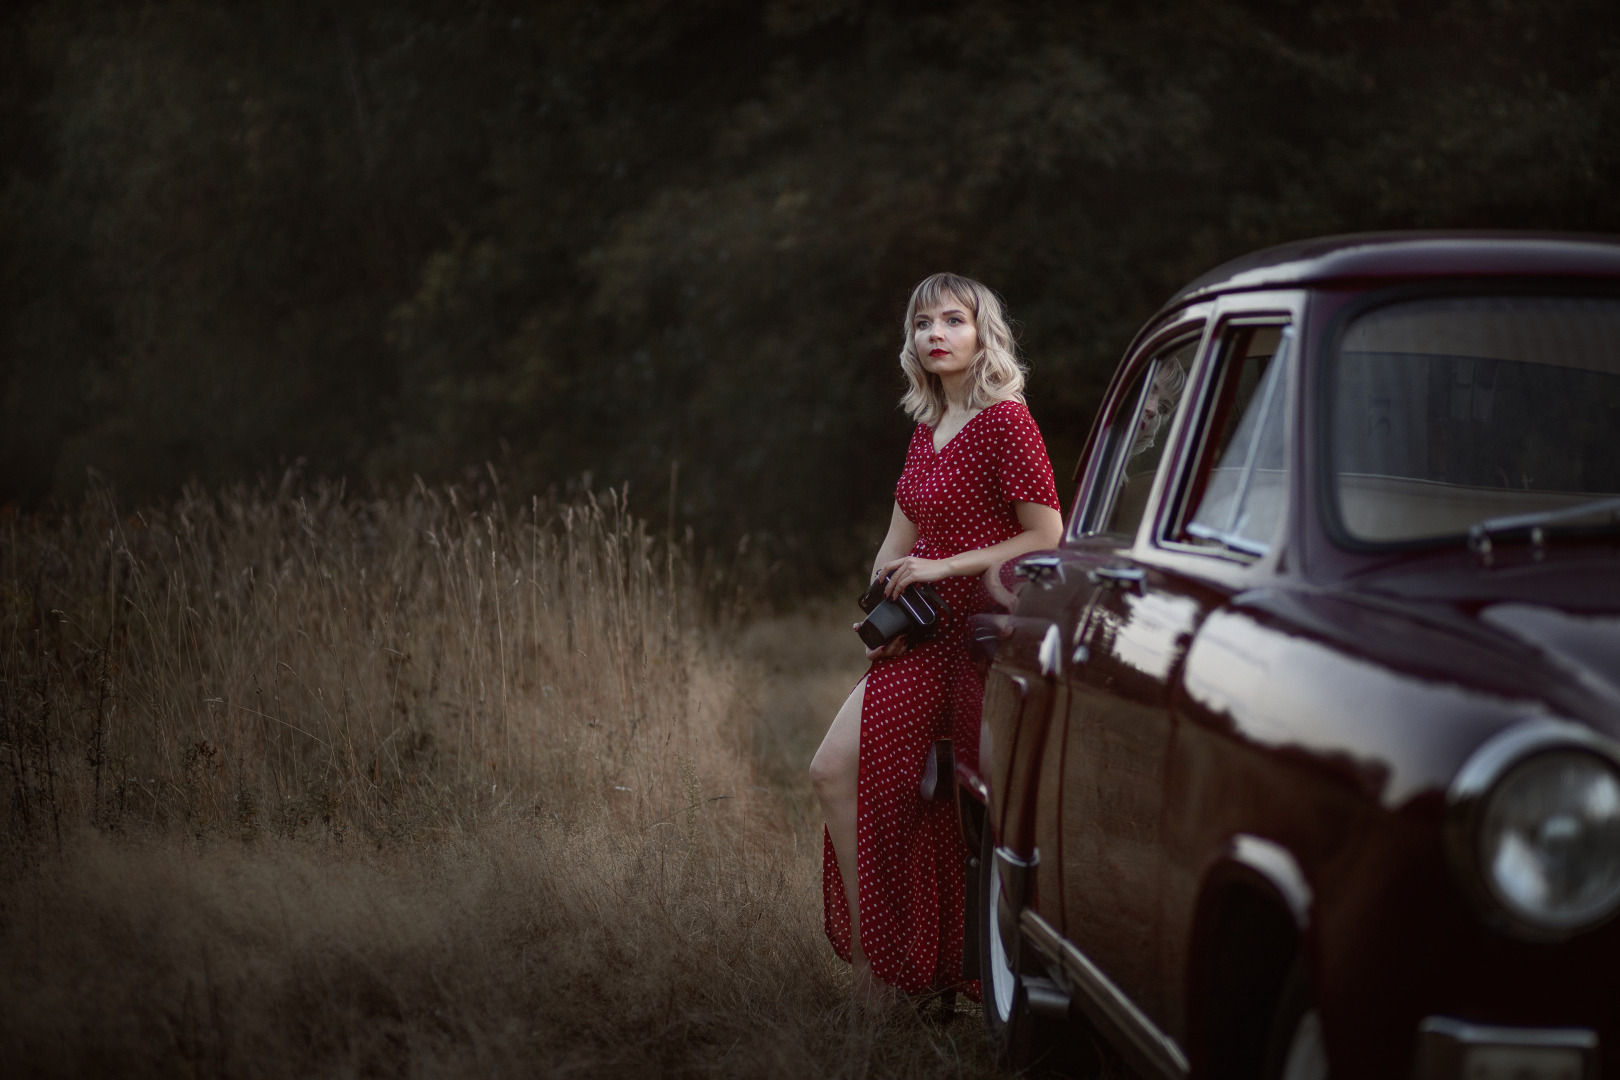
[(1022, 470)]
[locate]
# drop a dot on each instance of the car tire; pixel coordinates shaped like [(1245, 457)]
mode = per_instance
[(1008, 1023), (1295, 1050)]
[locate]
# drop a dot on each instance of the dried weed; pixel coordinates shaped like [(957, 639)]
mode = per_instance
[(325, 786)]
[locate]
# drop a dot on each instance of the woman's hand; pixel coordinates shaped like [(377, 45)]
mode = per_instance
[(883, 652), (911, 570)]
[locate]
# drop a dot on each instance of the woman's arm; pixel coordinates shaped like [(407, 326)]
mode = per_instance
[(1043, 528), (901, 539)]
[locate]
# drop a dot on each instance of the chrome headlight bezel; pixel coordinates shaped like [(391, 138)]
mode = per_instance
[(1467, 801)]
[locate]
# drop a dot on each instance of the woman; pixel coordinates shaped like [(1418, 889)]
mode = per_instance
[(976, 491)]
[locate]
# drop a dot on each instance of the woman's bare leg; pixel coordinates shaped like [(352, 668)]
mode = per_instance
[(835, 771)]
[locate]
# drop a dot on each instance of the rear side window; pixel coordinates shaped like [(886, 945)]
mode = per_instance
[(1448, 412), (1137, 434)]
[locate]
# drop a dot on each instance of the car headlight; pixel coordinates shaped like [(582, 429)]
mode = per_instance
[(1549, 838), (1537, 812)]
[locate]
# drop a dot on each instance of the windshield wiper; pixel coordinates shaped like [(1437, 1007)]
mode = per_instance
[(1480, 533)]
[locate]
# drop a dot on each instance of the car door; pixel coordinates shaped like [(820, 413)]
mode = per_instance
[(1021, 744), (1020, 747), (1111, 711), (1129, 645)]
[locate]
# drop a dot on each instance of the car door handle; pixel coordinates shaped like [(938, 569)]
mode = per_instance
[(1117, 577), (1041, 568)]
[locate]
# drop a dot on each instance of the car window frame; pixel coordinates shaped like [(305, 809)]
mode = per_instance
[(1324, 482), (1099, 487), (1197, 454)]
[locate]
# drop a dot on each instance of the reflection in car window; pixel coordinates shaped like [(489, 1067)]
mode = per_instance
[(1449, 412), (1138, 435), (1239, 502)]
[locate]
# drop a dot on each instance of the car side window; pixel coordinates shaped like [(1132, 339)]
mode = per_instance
[(1239, 489), (1137, 436)]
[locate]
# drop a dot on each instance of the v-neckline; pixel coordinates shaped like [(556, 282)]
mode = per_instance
[(965, 424)]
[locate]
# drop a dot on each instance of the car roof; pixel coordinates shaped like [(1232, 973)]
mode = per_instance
[(1403, 255)]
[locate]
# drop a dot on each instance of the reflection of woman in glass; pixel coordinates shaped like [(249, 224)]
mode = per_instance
[(1158, 406), (977, 490), (1164, 393)]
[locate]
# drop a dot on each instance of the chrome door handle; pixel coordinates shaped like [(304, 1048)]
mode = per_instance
[(1117, 577), (1041, 568)]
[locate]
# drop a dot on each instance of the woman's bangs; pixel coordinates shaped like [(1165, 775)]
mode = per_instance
[(940, 288)]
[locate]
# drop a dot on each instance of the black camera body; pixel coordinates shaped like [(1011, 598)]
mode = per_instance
[(916, 613)]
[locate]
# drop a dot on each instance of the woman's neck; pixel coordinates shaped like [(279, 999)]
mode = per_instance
[(956, 388)]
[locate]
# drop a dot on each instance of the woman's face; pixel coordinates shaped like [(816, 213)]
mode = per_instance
[(945, 337), (1152, 410), (1155, 410)]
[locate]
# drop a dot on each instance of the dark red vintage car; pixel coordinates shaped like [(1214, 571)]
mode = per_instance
[(1301, 756)]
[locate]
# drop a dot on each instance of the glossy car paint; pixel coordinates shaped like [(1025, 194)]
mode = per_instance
[(1293, 723)]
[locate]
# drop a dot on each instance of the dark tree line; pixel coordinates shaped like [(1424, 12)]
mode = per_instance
[(409, 237)]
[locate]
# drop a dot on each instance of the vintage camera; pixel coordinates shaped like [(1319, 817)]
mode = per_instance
[(916, 613)]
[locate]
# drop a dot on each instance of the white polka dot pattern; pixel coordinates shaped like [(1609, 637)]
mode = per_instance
[(909, 856)]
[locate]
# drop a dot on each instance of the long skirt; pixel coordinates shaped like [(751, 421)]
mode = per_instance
[(909, 855)]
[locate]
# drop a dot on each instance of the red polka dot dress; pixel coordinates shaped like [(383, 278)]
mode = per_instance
[(909, 855)]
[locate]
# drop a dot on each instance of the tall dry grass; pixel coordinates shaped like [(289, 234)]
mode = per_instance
[(320, 785)]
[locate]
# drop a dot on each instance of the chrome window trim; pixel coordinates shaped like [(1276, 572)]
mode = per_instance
[(1173, 509)]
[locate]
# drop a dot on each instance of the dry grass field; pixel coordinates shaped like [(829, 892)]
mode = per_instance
[(314, 785)]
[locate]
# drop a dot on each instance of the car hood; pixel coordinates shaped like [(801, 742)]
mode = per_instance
[(1396, 682), (1555, 627), (1582, 645)]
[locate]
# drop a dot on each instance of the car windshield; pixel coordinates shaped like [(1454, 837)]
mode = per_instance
[(1452, 412)]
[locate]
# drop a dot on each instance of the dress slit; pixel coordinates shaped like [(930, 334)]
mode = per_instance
[(910, 859)]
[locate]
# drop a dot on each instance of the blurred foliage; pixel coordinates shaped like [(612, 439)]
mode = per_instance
[(565, 237)]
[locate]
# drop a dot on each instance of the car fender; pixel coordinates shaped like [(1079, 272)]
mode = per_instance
[(1254, 916)]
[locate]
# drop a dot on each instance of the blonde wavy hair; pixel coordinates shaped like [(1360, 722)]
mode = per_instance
[(997, 373)]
